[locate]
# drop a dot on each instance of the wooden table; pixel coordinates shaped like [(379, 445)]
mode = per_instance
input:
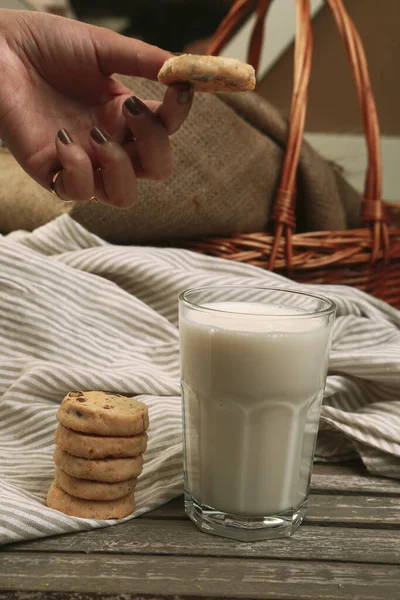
[(348, 548)]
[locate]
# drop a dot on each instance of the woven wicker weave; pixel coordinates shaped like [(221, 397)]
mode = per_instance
[(367, 258)]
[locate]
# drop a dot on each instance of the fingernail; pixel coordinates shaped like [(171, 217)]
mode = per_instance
[(99, 135), (184, 93), (64, 137), (134, 106)]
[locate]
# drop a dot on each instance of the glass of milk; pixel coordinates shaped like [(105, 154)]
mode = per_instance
[(253, 370)]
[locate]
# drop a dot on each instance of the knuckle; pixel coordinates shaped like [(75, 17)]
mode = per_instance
[(115, 157), (80, 161)]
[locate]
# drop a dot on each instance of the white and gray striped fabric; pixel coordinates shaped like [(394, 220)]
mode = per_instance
[(76, 312)]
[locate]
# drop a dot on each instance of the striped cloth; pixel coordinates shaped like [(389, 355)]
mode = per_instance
[(77, 312)]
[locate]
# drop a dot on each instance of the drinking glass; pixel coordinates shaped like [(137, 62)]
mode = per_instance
[(253, 369)]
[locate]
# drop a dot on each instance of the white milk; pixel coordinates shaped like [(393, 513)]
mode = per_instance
[(252, 388)]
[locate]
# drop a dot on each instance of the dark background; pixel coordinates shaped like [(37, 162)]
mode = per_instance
[(171, 24)]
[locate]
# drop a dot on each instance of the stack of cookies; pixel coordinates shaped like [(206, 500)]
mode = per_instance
[(100, 440)]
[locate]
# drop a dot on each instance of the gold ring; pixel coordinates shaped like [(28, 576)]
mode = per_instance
[(53, 187), (93, 199)]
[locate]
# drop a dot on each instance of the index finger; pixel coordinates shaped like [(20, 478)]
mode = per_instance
[(126, 56)]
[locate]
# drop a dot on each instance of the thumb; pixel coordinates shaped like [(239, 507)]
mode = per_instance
[(126, 56)]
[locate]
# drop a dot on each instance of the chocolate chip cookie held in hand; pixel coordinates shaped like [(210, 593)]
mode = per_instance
[(64, 116), (208, 73), (98, 457)]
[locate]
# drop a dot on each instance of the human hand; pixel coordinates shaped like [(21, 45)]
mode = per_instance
[(60, 107)]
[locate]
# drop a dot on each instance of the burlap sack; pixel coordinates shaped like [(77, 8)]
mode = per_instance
[(228, 158)]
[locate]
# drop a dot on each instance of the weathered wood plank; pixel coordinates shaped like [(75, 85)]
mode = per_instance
[(185, 577), (373, 510), (351, 479), (322, 508), (182, 538)]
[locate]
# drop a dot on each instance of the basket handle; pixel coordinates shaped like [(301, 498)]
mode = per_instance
[(373, 212), (283, 214)]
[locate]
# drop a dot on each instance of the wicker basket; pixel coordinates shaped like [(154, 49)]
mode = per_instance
[(367, 258)]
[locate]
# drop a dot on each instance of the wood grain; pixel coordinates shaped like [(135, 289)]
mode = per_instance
[(182, 538), (351, 479), (373, 510), (348, 549), (185, 577), (332, 508)]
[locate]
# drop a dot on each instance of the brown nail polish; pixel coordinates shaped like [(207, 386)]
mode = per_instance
[(135, 106), (99, 135), (184, 93), (64, 137)]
